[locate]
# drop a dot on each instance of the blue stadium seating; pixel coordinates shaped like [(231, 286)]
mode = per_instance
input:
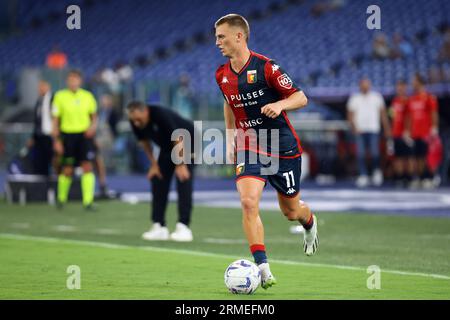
[(114, 30)]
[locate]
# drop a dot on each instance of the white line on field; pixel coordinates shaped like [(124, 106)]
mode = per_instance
[(20, 225), (208, 254), (64, 228)]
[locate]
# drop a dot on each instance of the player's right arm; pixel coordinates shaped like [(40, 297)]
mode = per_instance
[(56, 133), (230, 132), (154, 170)]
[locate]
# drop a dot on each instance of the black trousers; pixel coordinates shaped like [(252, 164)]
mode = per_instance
[(42, 154), (161, 188)]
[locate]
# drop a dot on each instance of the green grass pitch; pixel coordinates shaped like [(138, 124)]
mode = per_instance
[(38, 243)]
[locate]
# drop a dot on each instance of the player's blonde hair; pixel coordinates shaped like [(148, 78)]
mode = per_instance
[(235, 20)]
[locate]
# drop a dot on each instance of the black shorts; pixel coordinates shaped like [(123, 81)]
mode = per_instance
[(420, 148), (401, 149), (282, 173), (77, 148)]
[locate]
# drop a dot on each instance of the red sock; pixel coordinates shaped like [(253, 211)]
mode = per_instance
[(259, 253)]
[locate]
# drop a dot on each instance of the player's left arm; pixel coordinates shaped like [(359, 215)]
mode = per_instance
[(434, 116), (292, 97), (90, 132), (295, 101)]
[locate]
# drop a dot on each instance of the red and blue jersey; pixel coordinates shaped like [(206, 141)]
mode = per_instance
[(261, 81)]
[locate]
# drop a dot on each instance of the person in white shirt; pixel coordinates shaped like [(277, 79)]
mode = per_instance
[(365, 111)]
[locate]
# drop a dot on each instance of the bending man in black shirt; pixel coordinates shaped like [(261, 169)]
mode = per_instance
[(156, 124)]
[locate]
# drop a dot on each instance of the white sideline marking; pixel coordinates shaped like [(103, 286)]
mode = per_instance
[(224, 241), (20, 225), (208, 254), (105, 231), (64, 228)]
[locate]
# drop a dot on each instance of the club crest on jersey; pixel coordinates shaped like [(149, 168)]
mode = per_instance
[(240, 168), (285, 81), (251, 76)]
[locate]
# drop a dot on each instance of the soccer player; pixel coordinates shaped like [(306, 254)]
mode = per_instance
[(423, 121), (74, 126), (402, 143), (257, 93), (155, 123)]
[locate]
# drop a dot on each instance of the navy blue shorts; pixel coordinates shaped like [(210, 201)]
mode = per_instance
[(282, 173), (401, 149), (420, 148)]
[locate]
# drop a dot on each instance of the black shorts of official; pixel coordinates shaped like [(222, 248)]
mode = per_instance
[(77, 149), (282, 173), (402, 149), (420, 148)]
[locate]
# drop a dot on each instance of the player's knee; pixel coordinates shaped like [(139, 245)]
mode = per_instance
[(86, 166), (67, 171), (249, 204)]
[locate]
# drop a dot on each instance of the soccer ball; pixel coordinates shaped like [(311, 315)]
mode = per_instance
[(242, 277)]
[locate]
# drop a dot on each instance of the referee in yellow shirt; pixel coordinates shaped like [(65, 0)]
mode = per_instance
[(74, 126)]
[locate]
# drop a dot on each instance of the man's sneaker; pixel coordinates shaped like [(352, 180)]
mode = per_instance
[(59, 205), (182, 233), (427, 184), (157, 232), (91, 207), (377, 178), (311, 239), (267, 278), (362, 181), (415, 184)]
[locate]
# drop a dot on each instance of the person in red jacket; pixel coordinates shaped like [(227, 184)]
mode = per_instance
[(423, 121), (402, 144)]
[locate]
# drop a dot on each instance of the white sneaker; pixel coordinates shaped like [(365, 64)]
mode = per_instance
[(311, 239), (415, 184), (362, 181), (427, 184), (267, 278), (182, 233), (157, 232), (377, 178), (436, 181)]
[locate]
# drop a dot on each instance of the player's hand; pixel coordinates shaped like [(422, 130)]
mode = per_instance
[(58, 147), (271, 110), (434, 131), (89, 133), (407, 138), (390, 147), (153, 172), (182, 172), (30, 143)]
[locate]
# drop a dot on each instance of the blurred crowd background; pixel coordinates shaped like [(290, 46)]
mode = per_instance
[(163, 52)]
